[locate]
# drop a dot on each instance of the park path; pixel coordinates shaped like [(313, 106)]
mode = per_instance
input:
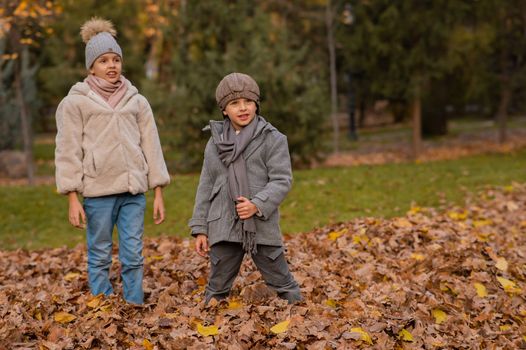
[(448, 278)]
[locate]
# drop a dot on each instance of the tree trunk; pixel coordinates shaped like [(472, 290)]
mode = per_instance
[(502, 111), (27, 135), (417, 122), (334, 91)]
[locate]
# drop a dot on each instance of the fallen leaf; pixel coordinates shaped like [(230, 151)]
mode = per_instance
[(280, 327), (405, 335), (481, 289), (332, 303), (63, 317), (417, 256), (439, 315), (512, 206), (95, 301), (414, 210), (334, 235), (206, 331), (481, 223), (458, 216), (70, 276), (508, 286), (147, 344), (505, 327), (363, 335), (234, 304), (502, 264), (402, 223)]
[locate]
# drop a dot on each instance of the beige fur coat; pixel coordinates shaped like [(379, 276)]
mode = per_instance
[(103, 151)]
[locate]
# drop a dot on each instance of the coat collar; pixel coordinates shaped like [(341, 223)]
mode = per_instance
[(263, 127)]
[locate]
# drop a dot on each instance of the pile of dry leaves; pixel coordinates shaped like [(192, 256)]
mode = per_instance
[(449, 279)]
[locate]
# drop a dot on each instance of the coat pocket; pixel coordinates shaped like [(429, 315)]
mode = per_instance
[(140, 160), (88, 164), (214, 212)]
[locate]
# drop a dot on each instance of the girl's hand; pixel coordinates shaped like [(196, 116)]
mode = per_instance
[(201, 245), (77, 216), (245, 208), (158, 206)]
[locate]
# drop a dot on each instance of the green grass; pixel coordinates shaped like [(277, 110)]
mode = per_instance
[(37, 217)]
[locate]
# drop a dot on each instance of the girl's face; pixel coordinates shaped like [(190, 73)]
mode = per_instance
[(107, 67), (240, 111)]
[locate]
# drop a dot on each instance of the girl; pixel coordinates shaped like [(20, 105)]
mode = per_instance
[(108, 151)]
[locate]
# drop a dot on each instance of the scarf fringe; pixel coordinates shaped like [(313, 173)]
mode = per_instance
[(249, 242)]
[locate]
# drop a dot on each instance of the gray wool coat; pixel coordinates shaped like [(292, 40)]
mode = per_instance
[(270, 179)]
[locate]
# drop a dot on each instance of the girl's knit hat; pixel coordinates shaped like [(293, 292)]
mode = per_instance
[(98, 34), (236, 85)]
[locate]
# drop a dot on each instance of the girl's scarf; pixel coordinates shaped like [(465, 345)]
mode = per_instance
[(230, 149), (110, 92)]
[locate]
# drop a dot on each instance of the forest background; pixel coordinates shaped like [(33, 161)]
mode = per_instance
[(430, 61)]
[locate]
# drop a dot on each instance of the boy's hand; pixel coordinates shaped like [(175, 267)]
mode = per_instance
[(158, 206), (245, 208), (77, 216), (201, 245)]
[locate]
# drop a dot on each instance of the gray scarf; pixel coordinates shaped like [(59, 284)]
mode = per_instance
[(230, 149)]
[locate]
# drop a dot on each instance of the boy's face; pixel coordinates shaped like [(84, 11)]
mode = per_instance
[(241, 112), (107, 67)]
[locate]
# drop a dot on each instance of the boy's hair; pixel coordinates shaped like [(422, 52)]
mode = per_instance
[(236, 85), (98, 34)]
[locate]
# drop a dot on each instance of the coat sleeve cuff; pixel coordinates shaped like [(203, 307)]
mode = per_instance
[(263, 207), (198, 227)]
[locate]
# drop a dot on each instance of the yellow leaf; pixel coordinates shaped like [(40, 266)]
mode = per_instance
[(458, 216), (405, 335), (524, 337), (480, 223), (505, 327), (483, 237), (206, 331), (95, 301), (439, 315), (414, 210), (154, 257), (402, 223), (70, 276), (508, 188), (481, 289), (357, 239), (332, 303), (334, 235), (364, 335), (147, 344), (64, 317), (509, 286), (38, 315), (280, 327), (234, 304), (501, 264), (417, 256)]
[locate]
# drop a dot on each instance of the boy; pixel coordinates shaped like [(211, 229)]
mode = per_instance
[(246, 175)]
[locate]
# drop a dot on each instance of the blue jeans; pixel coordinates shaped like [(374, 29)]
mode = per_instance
[(103, 213)]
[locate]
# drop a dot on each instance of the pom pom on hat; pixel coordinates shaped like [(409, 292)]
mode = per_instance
[(98, 34), (95, 26)]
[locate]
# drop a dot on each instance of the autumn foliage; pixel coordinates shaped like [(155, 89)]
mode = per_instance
[(449, 278)]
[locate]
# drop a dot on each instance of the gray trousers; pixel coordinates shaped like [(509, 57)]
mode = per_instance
[(226, 259)]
